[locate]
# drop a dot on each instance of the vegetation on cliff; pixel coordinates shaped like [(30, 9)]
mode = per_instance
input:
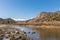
[(7, 21), (46, 18)]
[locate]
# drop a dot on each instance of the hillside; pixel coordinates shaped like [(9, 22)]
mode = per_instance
[(46, 18), (43, 18), (7, 21)]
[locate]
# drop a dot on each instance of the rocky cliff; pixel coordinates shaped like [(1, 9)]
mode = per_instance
[(46, 18)]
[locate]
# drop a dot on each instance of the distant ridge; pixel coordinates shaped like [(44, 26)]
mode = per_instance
[(7, 21)]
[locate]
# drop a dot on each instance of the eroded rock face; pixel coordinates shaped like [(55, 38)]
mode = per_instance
[(42, 14), (46, 17)]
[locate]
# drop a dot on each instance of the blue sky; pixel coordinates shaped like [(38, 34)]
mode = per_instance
[(26, 9)]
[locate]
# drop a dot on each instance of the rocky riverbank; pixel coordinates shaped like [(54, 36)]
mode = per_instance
[(8, 33)]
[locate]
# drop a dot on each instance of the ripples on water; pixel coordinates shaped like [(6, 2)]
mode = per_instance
[(42, 34)]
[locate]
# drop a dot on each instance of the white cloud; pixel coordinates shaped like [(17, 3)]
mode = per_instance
[(19, 19)]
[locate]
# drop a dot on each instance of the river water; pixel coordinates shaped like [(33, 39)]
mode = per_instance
[(40, 35)]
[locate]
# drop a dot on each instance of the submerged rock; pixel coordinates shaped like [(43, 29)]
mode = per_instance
[(31, 32)]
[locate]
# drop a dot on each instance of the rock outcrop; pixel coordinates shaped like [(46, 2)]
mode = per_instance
[(46, 18)]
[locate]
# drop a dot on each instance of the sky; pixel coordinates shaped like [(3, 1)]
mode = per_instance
[(27, 9)]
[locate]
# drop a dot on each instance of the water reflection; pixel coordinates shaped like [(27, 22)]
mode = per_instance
[(42, 34), (49, 34)]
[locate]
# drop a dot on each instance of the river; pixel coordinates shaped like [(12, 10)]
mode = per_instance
[(39, 35)]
